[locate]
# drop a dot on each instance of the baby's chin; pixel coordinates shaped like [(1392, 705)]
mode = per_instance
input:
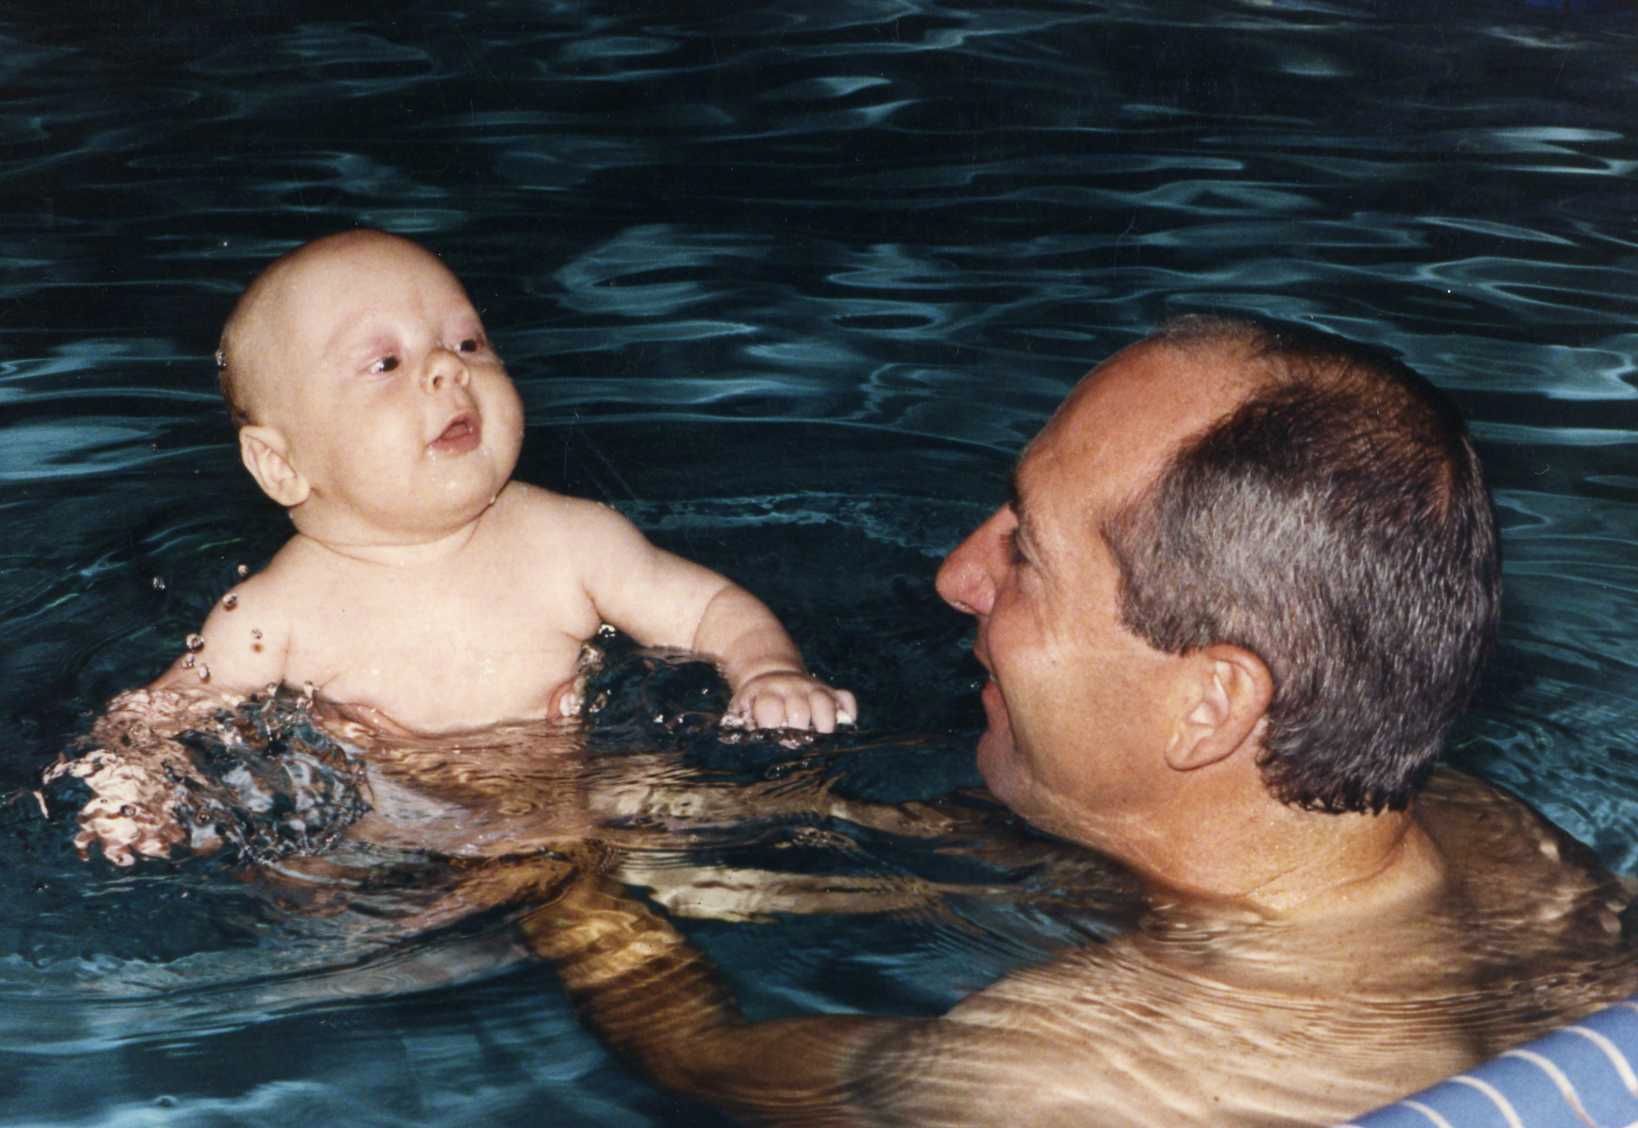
[(468, 481)]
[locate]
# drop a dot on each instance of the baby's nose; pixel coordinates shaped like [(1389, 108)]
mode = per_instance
[(444, 366)]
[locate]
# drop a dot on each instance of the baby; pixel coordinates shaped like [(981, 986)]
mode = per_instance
[(423, 585)]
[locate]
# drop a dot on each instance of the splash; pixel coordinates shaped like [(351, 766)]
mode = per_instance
[(272, 782)]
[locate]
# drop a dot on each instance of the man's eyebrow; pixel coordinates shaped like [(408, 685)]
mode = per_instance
[(1020, 511)]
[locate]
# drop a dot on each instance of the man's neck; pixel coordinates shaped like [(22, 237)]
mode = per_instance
[(1224, 840)]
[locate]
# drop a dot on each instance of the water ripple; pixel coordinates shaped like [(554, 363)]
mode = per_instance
[(790, 283)]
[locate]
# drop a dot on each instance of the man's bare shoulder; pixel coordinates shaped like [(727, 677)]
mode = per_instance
[(1045, 1039), (1489, 835)]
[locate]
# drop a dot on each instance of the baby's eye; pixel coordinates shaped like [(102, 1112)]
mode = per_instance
[(384, 365), (469, 345)]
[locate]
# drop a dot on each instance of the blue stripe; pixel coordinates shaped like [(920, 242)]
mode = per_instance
[(1595, 1059)]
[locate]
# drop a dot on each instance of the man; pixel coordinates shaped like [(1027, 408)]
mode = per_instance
[(1245, 581)]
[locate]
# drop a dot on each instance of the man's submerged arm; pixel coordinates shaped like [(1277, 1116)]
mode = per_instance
[(655, 999)]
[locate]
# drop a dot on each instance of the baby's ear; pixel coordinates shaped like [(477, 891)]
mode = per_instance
[(265, 454)]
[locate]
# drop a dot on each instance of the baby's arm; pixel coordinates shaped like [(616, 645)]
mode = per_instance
[(142, 780), (771, 686), (241, 649), (661, 599)]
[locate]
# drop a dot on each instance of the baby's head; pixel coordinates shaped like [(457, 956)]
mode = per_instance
[(367, 397)]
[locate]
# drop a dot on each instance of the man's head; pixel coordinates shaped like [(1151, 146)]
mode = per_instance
[(1251, 521), (367, 397)]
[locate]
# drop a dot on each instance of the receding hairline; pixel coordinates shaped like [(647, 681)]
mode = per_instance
[(1267, 361)]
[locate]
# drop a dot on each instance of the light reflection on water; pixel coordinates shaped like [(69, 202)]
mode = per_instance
[(790, 284)]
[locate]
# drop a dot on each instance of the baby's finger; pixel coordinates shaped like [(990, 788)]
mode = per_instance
[(768, 711), (823, 710), (847, 707), (798, 713)]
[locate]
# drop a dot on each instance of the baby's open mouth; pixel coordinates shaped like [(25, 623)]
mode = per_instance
[(462, 434)]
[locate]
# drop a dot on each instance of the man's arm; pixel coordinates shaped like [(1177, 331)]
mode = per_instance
[(655, 999)]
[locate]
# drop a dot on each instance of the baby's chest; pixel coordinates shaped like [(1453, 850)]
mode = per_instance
[(418, 655)]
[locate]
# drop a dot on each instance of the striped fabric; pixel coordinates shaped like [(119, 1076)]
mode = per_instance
[(1582, 1076)]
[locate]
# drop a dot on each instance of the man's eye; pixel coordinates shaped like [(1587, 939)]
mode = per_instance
[(1015, 555), (384, 365)]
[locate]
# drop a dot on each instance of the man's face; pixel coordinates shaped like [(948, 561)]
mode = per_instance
[(376, 369), (1079, 708)]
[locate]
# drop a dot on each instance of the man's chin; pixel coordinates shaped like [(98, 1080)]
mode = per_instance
[(995, 761)]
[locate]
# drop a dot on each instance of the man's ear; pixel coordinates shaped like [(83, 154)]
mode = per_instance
[(1227, 690), (266, 455)]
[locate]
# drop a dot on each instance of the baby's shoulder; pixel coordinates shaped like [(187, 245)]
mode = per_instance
[(274, 592), (535, 512)]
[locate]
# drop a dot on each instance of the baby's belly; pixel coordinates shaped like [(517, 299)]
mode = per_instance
[(455, 703)]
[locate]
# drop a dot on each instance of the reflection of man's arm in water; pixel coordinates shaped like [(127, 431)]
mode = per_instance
[(656, 1000)]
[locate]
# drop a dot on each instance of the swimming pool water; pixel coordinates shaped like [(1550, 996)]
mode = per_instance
[(789, 284)]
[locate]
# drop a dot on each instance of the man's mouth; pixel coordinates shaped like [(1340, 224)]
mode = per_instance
[(461, 434), (981, 656)]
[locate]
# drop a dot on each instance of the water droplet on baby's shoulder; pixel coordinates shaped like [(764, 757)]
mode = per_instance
[(195, 642), (230, 601), (243, 570), (203, 671)]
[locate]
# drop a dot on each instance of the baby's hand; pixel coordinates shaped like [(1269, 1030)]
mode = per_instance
[(787, 699), (132, 809)]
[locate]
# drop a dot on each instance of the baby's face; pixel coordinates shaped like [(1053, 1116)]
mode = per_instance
[(376, 369)]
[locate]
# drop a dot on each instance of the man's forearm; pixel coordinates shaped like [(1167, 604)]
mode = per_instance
[(655, 999)]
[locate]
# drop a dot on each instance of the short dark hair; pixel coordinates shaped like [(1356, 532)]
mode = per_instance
[(1336, 524)]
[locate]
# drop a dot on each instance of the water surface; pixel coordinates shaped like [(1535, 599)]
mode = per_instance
[(790, 285)]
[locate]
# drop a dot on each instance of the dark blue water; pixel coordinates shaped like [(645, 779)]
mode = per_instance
[(790, 284)]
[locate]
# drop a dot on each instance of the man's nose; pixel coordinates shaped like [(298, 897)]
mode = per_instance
[(966, 580), (444, 367)]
